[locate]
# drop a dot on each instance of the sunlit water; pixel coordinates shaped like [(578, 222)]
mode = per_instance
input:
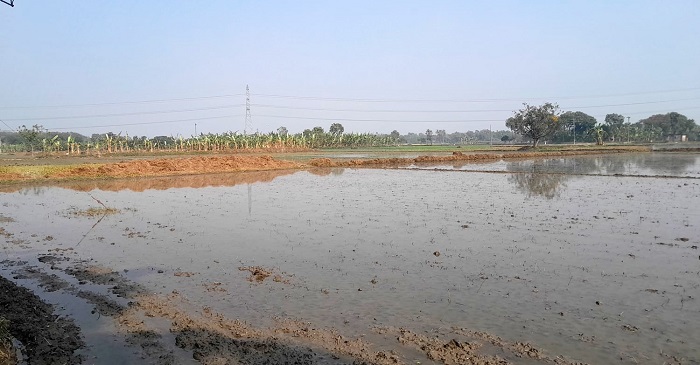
[(603, 269)]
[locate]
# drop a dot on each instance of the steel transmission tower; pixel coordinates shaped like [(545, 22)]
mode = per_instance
[(248, 119)]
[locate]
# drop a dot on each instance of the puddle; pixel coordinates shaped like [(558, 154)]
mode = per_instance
[(601, 269)]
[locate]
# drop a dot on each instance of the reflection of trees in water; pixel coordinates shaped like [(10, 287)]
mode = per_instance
[(547, 177), (539, 184), (661, 164), (33, 190), (544, 177)]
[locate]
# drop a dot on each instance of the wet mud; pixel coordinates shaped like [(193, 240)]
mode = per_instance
[(47, 338)]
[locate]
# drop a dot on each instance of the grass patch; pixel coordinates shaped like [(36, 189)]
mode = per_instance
[(94, 212), (35, 171)]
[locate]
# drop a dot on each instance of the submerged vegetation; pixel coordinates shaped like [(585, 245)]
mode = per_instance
[(94, 212)]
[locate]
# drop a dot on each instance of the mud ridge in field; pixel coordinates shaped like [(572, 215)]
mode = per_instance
[(460, 156), (159, 167)]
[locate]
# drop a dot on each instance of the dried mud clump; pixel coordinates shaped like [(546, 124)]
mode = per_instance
[(257, 274), (449, 352)]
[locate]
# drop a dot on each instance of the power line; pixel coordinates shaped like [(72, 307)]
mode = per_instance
[(384, 100), (380, 110), (120, 102), (383, 120), (146, 123), (369, 100), (127, 114), (249, 123), (628, 104), (456, 111), (3, 122)]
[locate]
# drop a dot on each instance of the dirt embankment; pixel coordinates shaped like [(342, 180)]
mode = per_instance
[(199, 165), (459, 156), (147, 167)]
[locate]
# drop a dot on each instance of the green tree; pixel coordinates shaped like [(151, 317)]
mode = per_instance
[(441, 135), (579, 123), (671, 123), (535, 122), (614, 126), (282, 131), (336, 128), (429, 136), (30, 137), (599, 133)]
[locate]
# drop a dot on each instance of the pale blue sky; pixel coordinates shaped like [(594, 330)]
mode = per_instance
[(583, 55)]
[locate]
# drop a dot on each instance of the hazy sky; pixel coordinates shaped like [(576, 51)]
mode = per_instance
[(158, 67)]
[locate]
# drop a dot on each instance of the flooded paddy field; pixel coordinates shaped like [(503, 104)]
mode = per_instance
[(590, 259)]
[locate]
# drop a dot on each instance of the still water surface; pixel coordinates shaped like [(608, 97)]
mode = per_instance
[(591, 257)]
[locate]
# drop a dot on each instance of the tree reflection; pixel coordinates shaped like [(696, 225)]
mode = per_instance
[(539, 184), (543, 178)]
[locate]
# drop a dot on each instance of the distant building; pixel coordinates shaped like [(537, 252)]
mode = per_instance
[(676, 138)]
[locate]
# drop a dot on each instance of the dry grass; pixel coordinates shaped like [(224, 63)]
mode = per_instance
[(95, 212)]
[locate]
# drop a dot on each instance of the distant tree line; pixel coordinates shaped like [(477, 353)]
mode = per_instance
[(531, 124), (544, 122)]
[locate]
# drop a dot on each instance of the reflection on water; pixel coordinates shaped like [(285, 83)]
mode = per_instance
[(545, 185), (325, 171), (536, 177), (547, 177), (159, 183), (646, 164)]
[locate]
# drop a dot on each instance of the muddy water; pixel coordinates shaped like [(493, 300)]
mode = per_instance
[(602, 269)]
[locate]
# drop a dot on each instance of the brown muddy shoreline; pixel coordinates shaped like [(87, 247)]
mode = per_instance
[(208, 337), (150, 166)]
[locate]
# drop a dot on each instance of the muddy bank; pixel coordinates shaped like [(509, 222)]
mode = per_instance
[(183, 166), (48, 338), (460, 156), (169, 329), (147, 167)]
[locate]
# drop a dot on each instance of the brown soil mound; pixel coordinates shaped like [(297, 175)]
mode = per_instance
[(177, 166), (459, 156), (160, 167)]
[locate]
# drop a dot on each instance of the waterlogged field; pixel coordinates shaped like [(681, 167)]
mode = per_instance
[(593, 258)]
